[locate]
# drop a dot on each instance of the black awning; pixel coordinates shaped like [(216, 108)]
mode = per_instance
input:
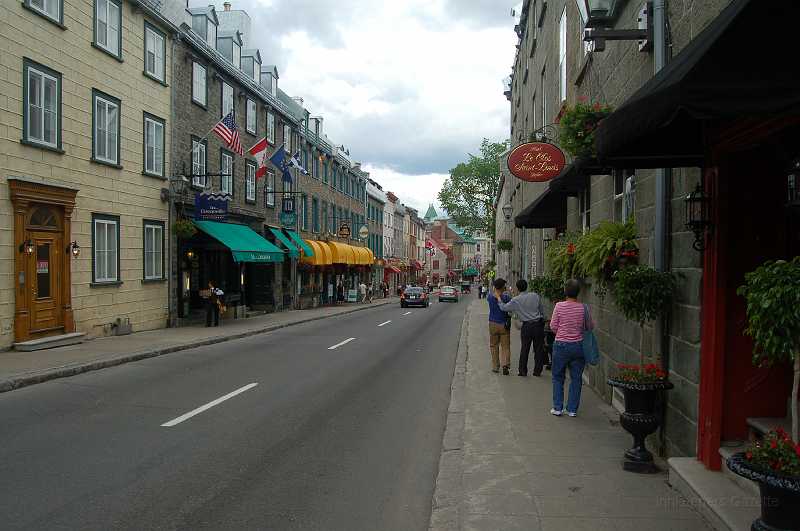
[(572, 178), (547, 211), (735, 68)]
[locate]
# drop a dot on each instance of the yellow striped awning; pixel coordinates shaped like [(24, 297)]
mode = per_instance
[(316, 258), (341, 253), (326, 257)]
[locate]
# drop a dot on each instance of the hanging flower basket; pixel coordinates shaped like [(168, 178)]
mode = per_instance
[(504, 245), (578, 125), (183, 228)]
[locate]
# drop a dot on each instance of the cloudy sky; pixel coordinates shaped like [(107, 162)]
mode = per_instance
[(409, 86)]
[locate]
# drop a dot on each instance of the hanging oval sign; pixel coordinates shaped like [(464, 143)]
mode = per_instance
[(536, 161)]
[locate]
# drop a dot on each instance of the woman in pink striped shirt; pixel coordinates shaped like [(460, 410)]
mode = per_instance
[(570, 318)]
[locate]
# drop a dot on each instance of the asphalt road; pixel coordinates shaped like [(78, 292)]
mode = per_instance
[(345, 438)]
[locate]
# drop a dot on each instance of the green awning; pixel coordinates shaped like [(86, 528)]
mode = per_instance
[(245, 244), (470, 272), (291, 248), (300, 243)]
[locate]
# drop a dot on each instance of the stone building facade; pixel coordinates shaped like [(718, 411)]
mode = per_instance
[(554, 68), (85, 156)]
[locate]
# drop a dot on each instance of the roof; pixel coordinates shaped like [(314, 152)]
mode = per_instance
[(431, 213)]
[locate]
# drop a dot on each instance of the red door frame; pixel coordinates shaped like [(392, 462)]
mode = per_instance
[(712, 345)]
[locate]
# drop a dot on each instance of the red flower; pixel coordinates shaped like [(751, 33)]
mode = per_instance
[(773, 444), (582, 98), (596, 106), (749, 456)]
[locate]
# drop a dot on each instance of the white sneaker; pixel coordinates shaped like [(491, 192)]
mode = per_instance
[(572, 414), (556, 412)]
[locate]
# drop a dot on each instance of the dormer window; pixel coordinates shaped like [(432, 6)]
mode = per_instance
[(211, 38), (256, 70)]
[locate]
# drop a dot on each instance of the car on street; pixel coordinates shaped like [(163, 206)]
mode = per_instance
[(414, 296), (448, 293)]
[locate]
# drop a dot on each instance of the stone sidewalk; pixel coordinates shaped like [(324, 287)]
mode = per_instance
[(508, 464), (20, 369)]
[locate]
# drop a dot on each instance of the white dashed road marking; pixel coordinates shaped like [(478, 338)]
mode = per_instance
[(211, 404), (346, 341), (387, 322), (407, 313)]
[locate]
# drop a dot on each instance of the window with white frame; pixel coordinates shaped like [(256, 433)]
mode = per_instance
[(562, 55), (105, 248), (287, 138), (107, 24), (585, 205), (543, 91), (584, 16), (199, 160), (153, 145), (154, 53), (237, 56), (153, 250), (269, 188), (251, 116), (51, 9), (199, 88), (42, 105), (227, 99), (106, 128), (250, 181), (270, 127), (226, 172)]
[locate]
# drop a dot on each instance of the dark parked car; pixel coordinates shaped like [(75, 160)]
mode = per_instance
[(448, 293), (414, 296)]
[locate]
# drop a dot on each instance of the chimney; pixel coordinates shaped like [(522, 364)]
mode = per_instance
[(226, 6)]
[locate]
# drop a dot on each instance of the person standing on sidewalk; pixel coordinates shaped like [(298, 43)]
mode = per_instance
[(499, 327), (362, 288), (528, 307), (570, 319)]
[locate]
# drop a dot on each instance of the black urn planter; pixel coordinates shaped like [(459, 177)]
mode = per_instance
[(640, 420), (780, 495)]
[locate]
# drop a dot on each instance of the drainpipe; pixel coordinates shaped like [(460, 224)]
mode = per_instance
[(662, 198), (171, 313)]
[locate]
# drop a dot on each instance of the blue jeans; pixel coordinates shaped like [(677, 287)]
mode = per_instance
[(567, 354)]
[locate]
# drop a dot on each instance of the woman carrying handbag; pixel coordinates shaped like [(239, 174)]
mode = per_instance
[(570, 321)]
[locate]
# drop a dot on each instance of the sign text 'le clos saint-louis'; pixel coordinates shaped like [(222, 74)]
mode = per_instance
[(536, 161)]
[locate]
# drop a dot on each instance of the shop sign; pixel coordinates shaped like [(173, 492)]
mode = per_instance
[(288, 219), (344, 230), (42, 266), (363, 232), (210, 206), (352, 295), (287, 204), (536, 161)]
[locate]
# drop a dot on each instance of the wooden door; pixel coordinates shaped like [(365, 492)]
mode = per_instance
[(45, 267)]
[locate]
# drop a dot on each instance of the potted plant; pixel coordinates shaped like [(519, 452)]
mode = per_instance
[(560, 256), (504, 245), (577, 126), (603, 251), (183, 228), (642, 295), (773, 315), (548, 287)]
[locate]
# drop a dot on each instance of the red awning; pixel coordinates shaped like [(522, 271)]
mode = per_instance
[(392, 268)]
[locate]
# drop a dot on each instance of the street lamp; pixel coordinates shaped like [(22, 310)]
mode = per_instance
[(507, 210)]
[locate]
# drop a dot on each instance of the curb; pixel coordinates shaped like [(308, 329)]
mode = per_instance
[(18, 382), (447, 495)]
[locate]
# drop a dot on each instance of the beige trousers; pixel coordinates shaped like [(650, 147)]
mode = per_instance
[(500, 345)]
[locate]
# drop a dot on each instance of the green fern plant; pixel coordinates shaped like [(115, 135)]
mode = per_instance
[(560, 255), (609, 240)]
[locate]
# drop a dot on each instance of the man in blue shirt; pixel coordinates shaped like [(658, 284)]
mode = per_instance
[(499, 327)]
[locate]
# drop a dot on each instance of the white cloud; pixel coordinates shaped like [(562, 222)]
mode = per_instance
[(409, 87)]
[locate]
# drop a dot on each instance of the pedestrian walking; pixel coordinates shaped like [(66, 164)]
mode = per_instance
[(339, 293), (213, 303), (570, 319), (529, 309), (499, 328), (362, 288)]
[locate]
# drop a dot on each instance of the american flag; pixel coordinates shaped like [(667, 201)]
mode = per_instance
[(226, 129)]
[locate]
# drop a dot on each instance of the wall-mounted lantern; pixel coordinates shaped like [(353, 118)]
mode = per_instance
[(190, 254), (793, 186), (601, 15), (698, 215), (75, 249), (26, 247), (507, 211)]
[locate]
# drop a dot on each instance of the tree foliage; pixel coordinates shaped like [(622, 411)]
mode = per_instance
[(469, 192)]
